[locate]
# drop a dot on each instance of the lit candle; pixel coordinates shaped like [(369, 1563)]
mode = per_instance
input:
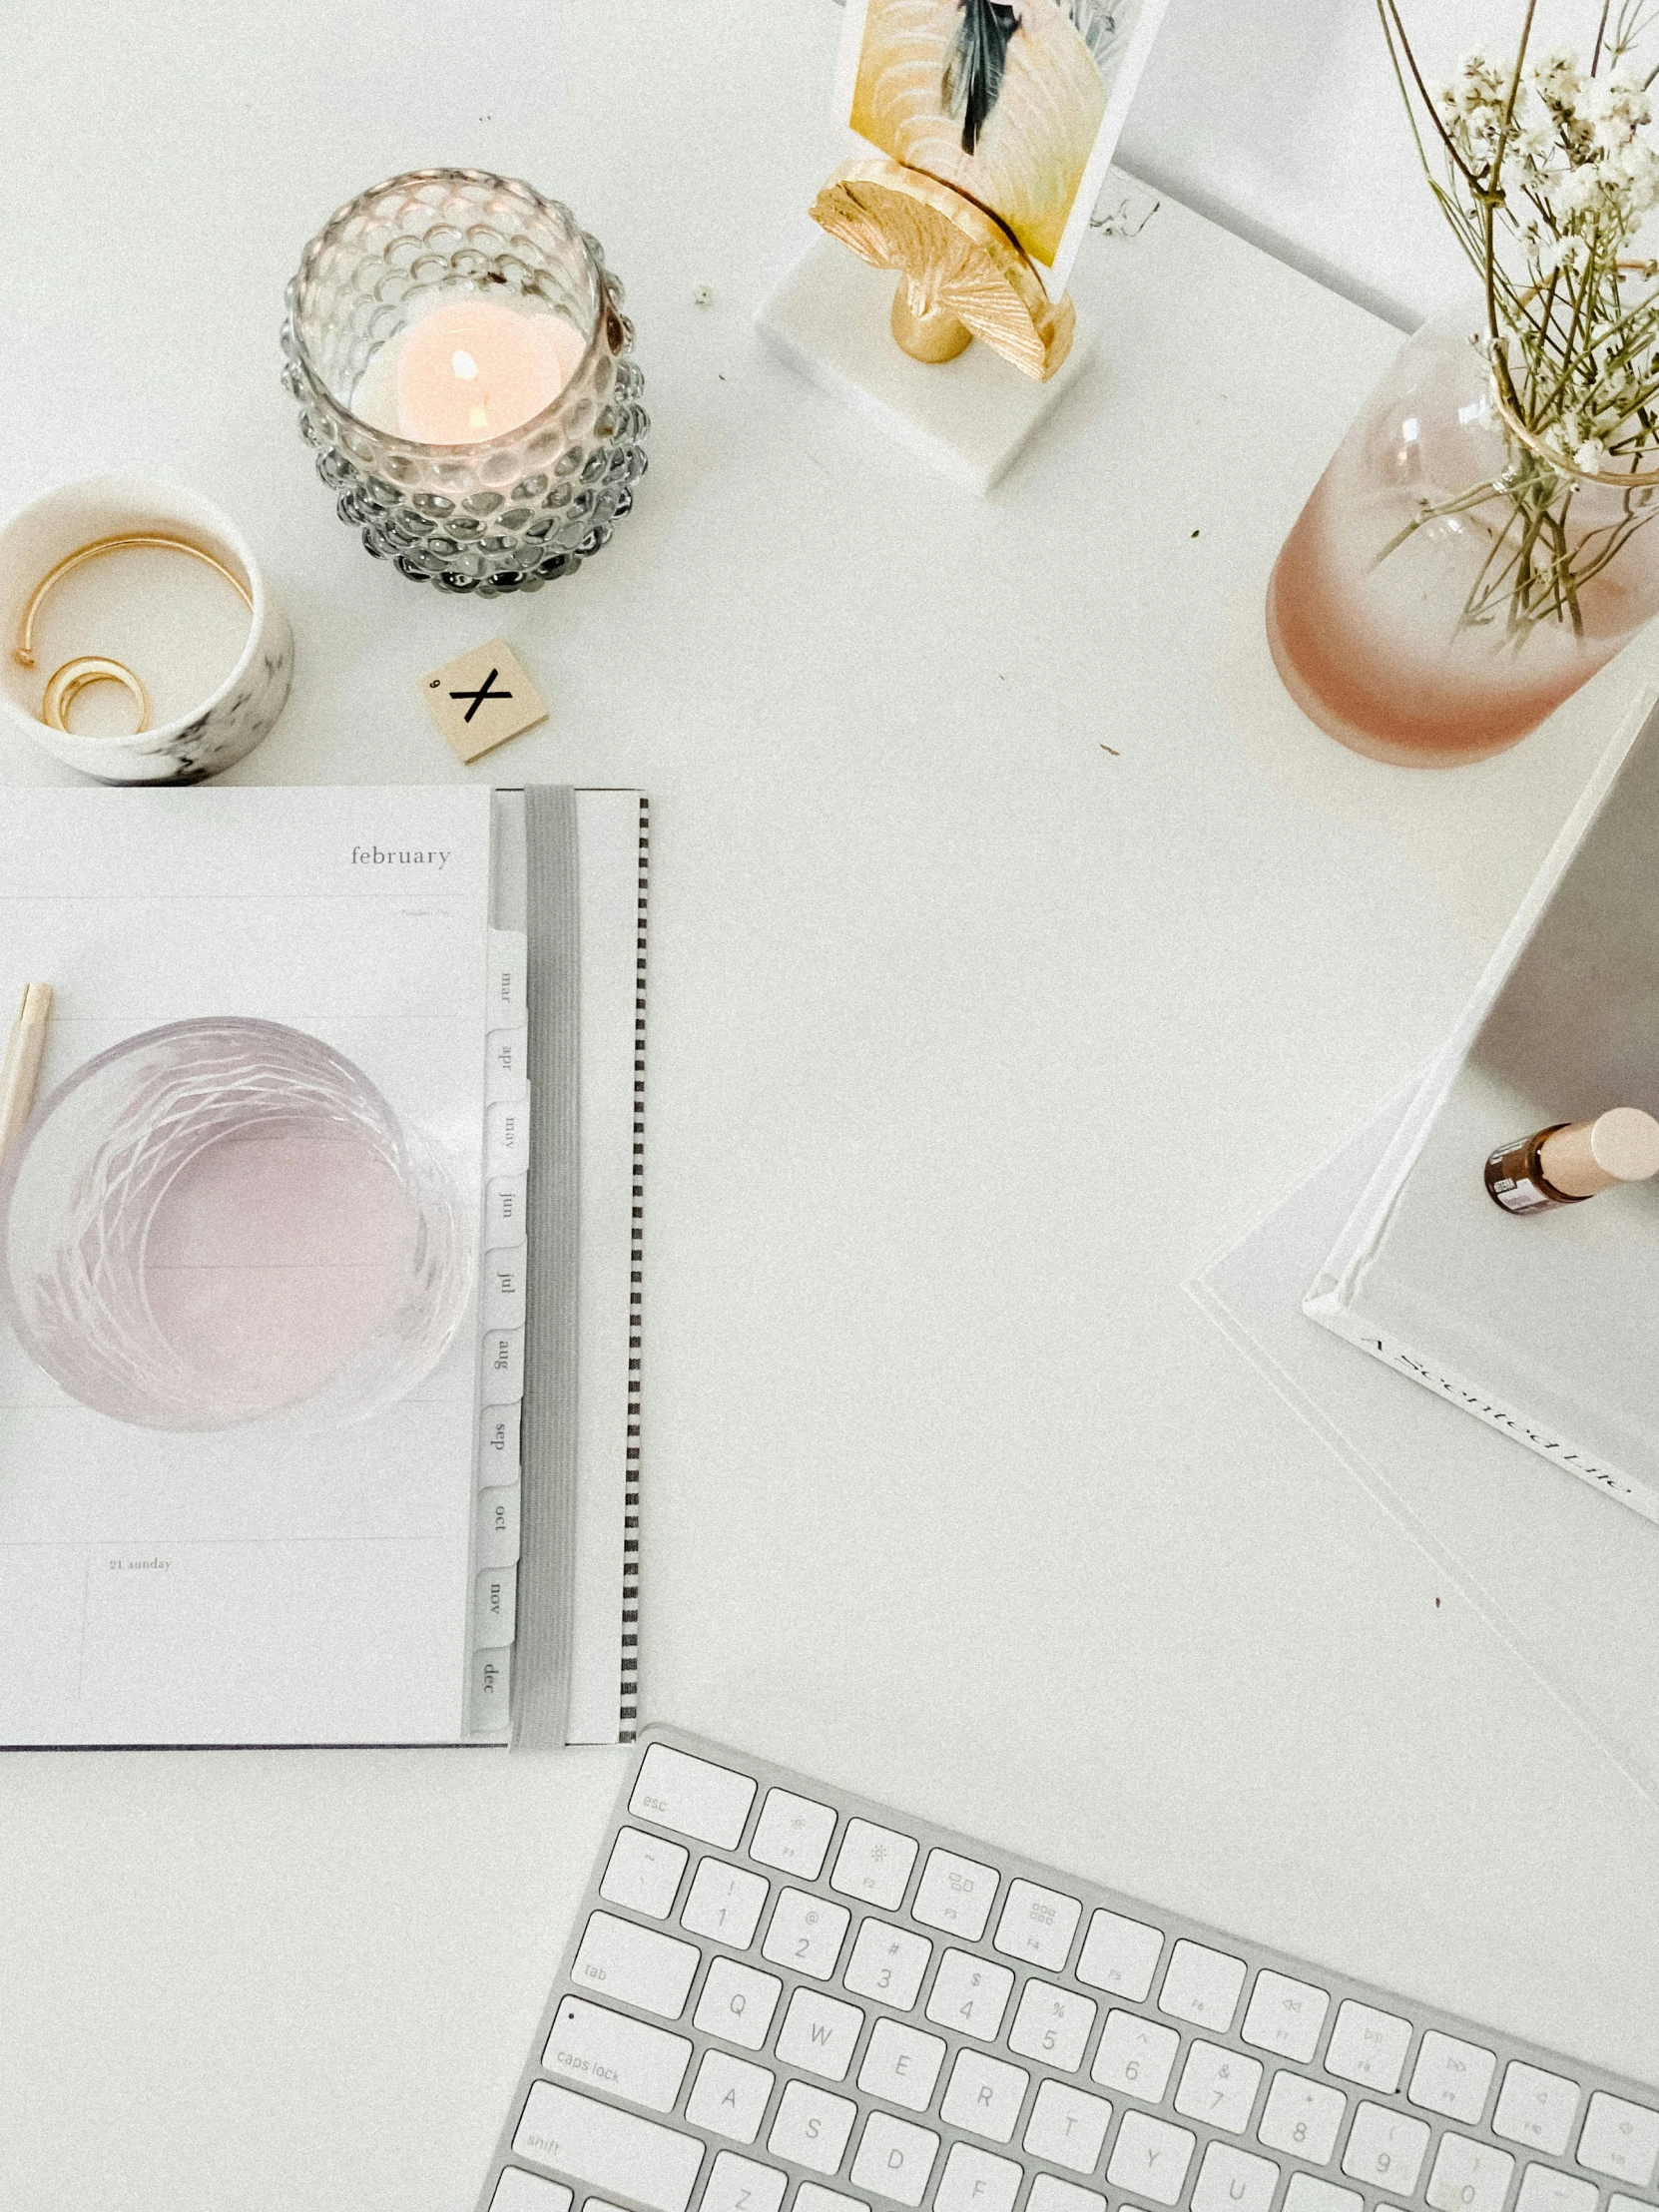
[(470, 369)]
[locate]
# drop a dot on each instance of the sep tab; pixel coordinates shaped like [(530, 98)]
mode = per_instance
[(499, 1445)]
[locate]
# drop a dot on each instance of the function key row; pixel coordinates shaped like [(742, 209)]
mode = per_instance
[(1037, 1925)]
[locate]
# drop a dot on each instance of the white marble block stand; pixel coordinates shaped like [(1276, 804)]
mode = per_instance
[(827, 313)]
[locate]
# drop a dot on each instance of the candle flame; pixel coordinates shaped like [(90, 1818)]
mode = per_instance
[(464, 366)]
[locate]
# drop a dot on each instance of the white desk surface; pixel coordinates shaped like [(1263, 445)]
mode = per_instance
[(969, 1040)]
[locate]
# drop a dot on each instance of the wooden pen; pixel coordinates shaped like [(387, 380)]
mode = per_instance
[(20, 1071)]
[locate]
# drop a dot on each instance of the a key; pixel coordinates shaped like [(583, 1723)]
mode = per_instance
[(1135, 2056), (954, 1894), (1218, 2086), (894, 2158), (810, 2127), (984, 2095), (517, 2191), (873, 1864), (725, 1903), (1201, 1986), (1052, 2024), (812, 2197), (793, 1834), (1051, 2194), (643, 1872), (902, 2064), (1234, 2181), (969, 1994), (1535, 2107), (692, 1796), (1451, 2076), (1285, 2017), (1120, 1956), (593, 2048), (1301, 2117), (1385, 2148), (737, 2003), (819, 2035), (1544, 2189), (1067, 2127), (1307, 2193), (806, 1933), (1037, 1924), (606, 2148), (1367, 2046), (974, 2181), (887, 1962), (1620, 2139), (1468, 2176), (742, 2186), (728, 2096), (634, 1965), (1150, 2158)]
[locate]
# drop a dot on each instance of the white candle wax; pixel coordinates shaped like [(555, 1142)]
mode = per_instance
[(467, 370)]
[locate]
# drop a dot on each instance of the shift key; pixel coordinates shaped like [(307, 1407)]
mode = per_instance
[(607, 2149), (634, 1965), (605, 2051)]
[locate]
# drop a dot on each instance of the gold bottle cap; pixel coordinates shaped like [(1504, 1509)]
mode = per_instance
[(1620, 1146)]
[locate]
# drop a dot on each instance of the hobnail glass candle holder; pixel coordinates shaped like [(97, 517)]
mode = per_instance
[(508, 513)]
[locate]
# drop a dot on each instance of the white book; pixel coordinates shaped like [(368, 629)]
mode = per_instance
[(320, 1267), (1540, 1326)]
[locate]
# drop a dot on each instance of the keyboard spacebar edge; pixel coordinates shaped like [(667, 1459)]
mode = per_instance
[(610, 2150)]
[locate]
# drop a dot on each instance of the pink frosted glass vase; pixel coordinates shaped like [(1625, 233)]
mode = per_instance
[(1446, 586)]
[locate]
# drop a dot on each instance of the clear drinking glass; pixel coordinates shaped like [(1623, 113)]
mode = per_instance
[(508, 513), (223, 1221), (1391, 612)]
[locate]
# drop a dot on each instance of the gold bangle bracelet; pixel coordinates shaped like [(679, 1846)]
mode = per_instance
[(67, 683)]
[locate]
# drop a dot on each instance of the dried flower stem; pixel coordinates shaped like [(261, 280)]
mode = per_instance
[(1546, 179)]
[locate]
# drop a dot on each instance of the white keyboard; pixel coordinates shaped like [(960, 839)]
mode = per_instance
[(781, 1999)]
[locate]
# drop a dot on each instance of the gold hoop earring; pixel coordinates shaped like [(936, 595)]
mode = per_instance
[(67, 683)]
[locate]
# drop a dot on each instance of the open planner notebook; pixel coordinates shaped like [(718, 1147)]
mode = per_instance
[(320, 1266)]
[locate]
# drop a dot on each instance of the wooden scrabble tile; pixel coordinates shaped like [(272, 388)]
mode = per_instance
[(483, 699)]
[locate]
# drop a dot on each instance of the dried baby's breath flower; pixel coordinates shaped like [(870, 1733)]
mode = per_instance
[(1545, 173)]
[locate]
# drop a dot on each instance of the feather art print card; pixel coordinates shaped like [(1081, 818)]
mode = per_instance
[(1016, 103)]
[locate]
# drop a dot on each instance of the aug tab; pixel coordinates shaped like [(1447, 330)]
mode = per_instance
[(503, 1367)]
